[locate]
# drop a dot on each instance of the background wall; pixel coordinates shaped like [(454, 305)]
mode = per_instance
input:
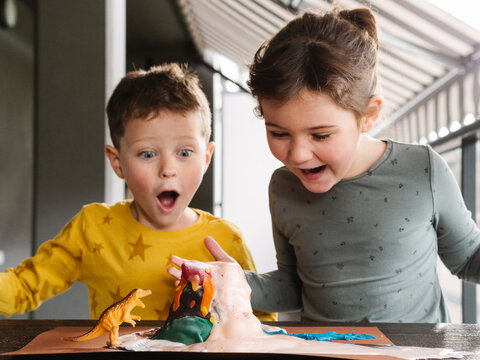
[(16, 138), (246, 171), (52, 118), (69, 126)]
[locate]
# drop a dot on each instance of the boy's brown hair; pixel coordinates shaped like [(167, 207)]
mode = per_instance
[(335, 53), (141, 94)]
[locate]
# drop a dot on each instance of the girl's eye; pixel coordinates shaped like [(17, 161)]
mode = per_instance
[(147, 154), (185, 152), (278, 134), (320, 136)]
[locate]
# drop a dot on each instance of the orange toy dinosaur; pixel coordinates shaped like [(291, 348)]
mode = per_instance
[(114, 316)]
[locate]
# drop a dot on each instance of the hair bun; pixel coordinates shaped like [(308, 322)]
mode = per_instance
[(364, 19)]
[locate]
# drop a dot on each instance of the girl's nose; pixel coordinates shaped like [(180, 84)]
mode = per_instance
[(299, 152)]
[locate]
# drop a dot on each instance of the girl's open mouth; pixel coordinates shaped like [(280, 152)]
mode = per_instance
[(313, 173), (314, 170), (168, 199)]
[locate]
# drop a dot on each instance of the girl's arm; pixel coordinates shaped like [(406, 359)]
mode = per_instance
[(458, 235), (275, 291), (279, 290)]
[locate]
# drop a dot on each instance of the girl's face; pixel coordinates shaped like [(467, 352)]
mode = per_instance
[(314, 138)]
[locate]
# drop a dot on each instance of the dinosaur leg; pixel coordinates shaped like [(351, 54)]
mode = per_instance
[(130, 321), (114, 336)]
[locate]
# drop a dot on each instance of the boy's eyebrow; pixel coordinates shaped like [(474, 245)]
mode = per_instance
[(319, 127), (148, 138)]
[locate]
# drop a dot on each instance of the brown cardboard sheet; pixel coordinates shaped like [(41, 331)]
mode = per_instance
[(51, 342)]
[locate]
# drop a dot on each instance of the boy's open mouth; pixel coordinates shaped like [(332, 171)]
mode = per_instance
[(313, 170), (167, 199)]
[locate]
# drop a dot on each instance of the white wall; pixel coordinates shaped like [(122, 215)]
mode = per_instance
[(247, 166)]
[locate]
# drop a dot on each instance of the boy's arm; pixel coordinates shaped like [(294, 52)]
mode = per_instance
[(52, 270), (458, 235)]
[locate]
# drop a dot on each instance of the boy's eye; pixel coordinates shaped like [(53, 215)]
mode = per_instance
[(147, 154), (185, 152), (320, 136)]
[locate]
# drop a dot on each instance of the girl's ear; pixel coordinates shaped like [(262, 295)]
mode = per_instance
[(114, 158), (373, 112)]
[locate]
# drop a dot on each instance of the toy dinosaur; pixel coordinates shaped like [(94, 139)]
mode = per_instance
[(113, 316)]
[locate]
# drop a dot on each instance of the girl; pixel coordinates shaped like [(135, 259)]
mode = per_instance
[(357, 222)]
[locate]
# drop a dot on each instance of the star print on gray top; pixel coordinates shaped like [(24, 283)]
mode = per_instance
[(366, 250)]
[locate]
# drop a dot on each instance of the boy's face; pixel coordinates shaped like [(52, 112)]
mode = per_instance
[(162, 159), (314, 138)]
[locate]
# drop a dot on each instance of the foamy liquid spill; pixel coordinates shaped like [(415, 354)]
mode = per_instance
[(236, 329)]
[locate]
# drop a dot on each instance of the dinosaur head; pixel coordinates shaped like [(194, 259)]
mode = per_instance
[(141, 292)]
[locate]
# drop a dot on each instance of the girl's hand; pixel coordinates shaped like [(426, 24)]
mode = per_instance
[(176, 273), (218, 253)]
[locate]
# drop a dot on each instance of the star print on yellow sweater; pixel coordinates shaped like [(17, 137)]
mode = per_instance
[(106, 219), (139, 248), (116, 296)]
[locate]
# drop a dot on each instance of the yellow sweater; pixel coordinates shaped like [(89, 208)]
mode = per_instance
[(104, 247)]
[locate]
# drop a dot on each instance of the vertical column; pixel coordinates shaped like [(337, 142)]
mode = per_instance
[(115, 59), (469, 163), (69, 125)]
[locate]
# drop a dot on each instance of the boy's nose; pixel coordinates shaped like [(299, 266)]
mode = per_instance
[(168, 169), (168, 173)]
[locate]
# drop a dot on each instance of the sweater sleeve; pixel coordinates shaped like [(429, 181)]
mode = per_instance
[(278, 290), (458, 235), (52, 270)]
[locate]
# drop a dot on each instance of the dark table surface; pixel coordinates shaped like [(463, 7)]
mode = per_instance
[(14, 334)]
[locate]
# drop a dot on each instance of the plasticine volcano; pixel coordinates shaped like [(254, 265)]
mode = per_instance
[(190, 320)]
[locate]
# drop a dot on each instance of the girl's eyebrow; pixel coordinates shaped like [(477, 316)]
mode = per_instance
[(320, 127), (267, 123)]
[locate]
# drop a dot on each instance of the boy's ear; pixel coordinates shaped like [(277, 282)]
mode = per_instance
[(209, 154), (114, 158), (373, 112)]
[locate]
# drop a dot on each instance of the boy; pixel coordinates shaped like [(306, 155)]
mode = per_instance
[(160, 127)]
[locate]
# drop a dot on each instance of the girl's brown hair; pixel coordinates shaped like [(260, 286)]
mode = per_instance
[(334, 53), (141, 94)]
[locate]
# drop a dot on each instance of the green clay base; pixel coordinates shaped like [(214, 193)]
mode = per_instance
[(187, 330)]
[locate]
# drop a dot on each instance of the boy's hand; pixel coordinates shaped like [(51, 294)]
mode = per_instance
[(218, 253)]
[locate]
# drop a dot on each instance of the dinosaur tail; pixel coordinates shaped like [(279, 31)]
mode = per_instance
[(95, 332)]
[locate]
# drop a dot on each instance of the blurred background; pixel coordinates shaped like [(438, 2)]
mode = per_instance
[(61, 59)]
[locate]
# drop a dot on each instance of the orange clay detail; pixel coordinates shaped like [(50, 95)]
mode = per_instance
[(208, 291), (114, 316), (192, 304), (195, 282), (178, 293)]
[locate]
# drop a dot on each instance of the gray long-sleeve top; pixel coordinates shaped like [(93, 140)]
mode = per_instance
[(366, 250)]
